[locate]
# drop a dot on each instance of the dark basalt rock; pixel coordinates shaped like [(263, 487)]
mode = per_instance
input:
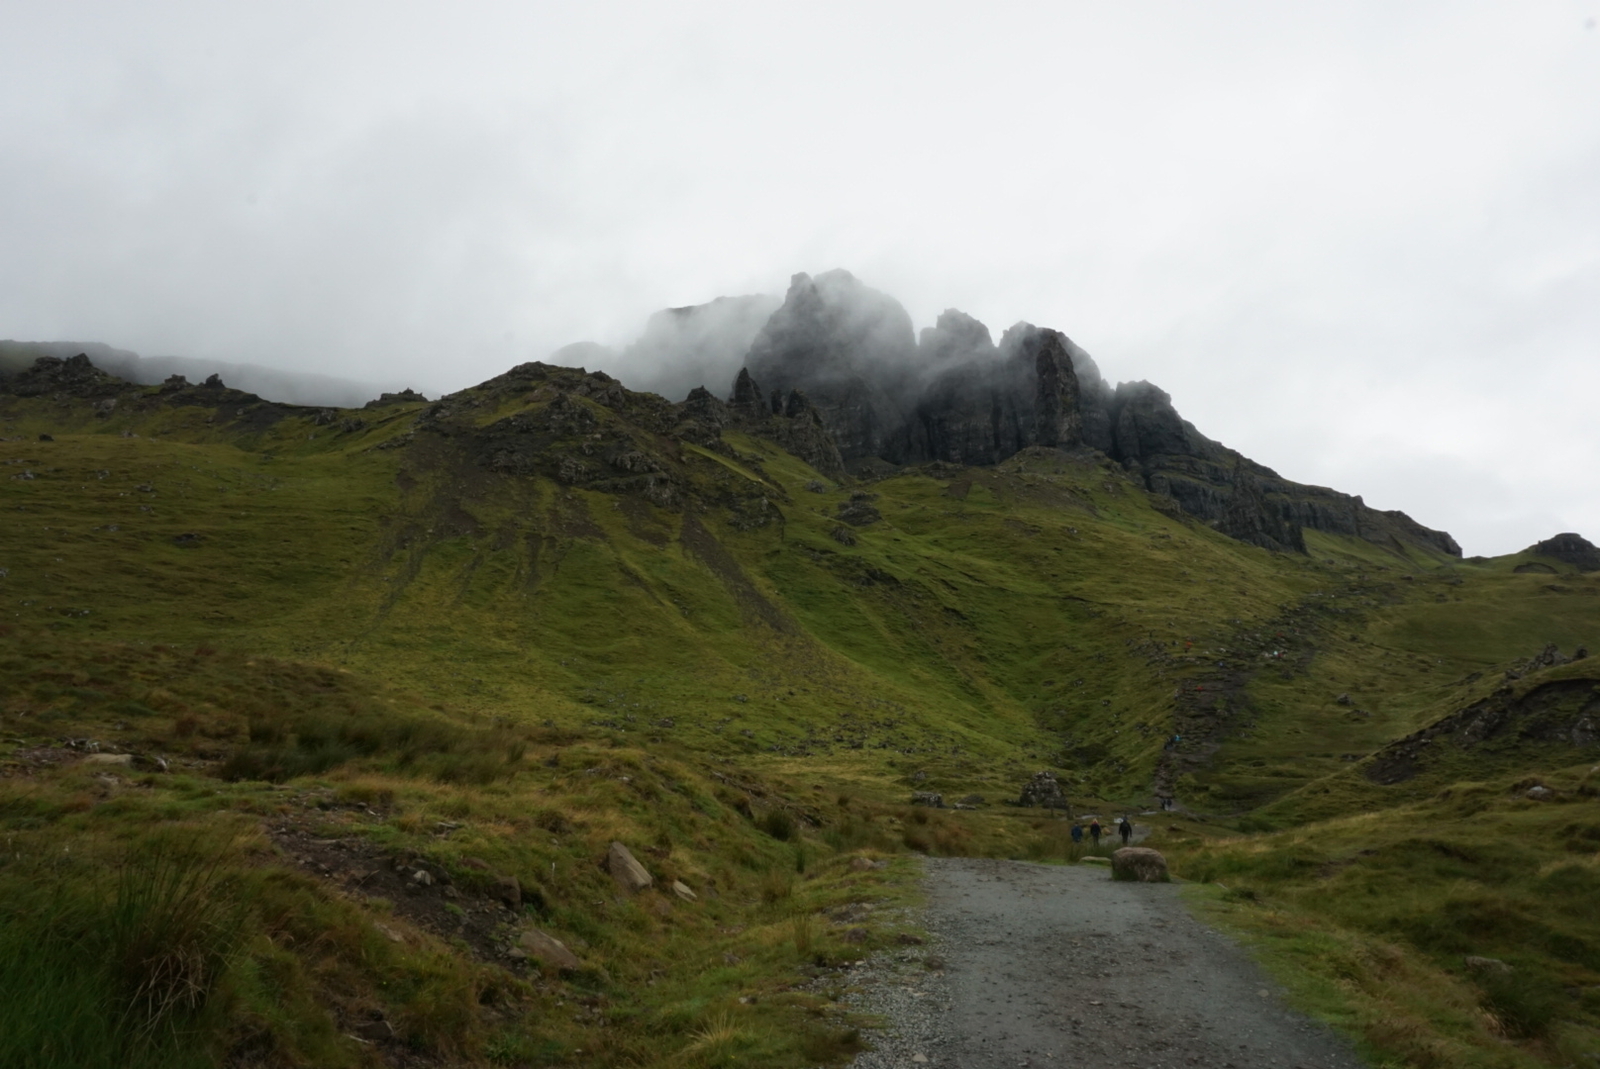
[(859, 510), (78, 378), (1573, 549), (793, 422), (956, 397), (404, 397), (849, 348), (1042, 790), (72, 377), (992, 402), (1564, 712)]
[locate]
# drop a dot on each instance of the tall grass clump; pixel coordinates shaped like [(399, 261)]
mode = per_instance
[(114, 966)]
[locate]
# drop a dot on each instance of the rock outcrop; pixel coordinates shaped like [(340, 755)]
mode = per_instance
[(75, 376), (956, 397), (1569, 548), (1043, 790), (1563, 713)]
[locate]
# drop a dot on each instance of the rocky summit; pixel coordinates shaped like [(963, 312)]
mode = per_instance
[(890, 399)]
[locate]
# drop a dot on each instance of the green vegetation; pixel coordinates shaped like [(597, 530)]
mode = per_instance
[(341, 652)]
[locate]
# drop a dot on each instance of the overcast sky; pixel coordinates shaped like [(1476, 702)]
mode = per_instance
[(1360, 242)]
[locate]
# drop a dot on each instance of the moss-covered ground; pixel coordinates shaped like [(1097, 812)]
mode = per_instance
[(332, 651)]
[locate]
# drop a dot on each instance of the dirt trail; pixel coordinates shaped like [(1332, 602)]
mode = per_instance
[(1061, 966)]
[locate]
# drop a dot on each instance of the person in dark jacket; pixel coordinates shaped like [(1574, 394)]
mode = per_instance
[(1094, 830), (1127, 830), (1077, 832)]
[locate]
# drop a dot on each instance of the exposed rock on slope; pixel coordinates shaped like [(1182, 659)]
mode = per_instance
[(287, 387), (77, 378), (956, 397), (1561, 711), (1570, 549)]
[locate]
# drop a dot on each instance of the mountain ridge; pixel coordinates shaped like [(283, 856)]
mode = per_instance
[(487, 636)]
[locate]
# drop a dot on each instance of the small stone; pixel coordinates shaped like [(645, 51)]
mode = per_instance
[(378, 1031), (390, 934), (1540, 793), (682, 890), (548, 949), (1486, 965), (109, 759), (626, 870), (920, 1059), (422, 878), (510, 892)]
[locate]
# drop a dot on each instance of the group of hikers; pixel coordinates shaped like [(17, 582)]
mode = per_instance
[(1124, 829)]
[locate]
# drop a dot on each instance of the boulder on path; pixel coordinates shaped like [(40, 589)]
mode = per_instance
[(546, 948), (626, 870), (1140, 864)]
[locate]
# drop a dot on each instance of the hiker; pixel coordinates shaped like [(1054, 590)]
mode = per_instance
[(1077, 833), (1094, 830), (1127, 830)]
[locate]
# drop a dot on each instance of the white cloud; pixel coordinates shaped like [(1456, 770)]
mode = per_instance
[(1358, 243)]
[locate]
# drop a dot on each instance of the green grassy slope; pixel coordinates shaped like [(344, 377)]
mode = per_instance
[(422, 604)]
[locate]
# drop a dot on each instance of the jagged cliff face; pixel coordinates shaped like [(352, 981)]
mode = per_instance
[(986, 403), (956, 397), (849, 349)]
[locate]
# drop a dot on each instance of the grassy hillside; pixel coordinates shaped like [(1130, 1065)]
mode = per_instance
[(546, 614)]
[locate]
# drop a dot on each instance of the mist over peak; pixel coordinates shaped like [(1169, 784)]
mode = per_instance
[(693, 345)]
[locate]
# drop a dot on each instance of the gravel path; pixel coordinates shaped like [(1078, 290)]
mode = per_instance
[(1060, 966)]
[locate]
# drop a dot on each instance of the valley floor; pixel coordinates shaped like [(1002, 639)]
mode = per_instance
[(1042, 965)]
